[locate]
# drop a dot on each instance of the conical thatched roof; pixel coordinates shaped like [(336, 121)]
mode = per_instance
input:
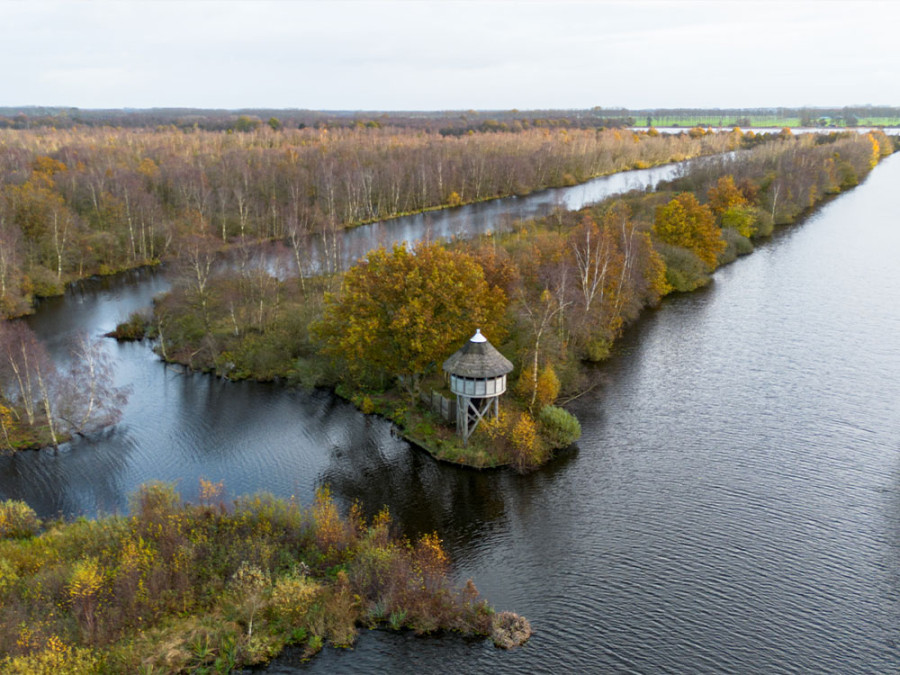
[(479, 359)]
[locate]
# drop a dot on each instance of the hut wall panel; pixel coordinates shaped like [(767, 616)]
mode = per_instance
[(478, 388)]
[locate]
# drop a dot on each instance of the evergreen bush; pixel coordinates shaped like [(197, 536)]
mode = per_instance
[(559, 426)]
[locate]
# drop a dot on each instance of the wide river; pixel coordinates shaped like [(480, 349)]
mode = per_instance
[(733, 504)]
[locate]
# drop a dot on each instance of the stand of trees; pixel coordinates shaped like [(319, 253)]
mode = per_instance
[(569, 284), (40, 405), (86, 201)]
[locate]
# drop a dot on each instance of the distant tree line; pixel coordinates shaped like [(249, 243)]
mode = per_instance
[(448, 122), (85, 201)]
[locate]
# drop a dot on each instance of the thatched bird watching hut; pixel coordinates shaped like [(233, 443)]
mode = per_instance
[(478, 377)]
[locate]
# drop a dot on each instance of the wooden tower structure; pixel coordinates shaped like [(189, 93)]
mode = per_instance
[(478, 378)]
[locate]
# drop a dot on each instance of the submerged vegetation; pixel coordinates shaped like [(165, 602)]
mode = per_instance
[(208, 587)]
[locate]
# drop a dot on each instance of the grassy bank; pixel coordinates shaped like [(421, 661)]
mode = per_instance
[(210, 587)]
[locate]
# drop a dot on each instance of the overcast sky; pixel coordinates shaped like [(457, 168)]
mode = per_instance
[(418, 55)]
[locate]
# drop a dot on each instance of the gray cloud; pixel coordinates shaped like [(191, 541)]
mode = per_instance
[(447, 55)]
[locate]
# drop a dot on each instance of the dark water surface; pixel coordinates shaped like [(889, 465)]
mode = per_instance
[(182, 427), (733, 504)]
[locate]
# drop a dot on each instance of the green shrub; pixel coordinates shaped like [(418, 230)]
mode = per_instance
[(17, 520), (847, 175), (597, 349), (740, 218), (684, 270), (736, 245), (292, 596), (45, 283), (56, 657), (133, 328), (559, 426), (764, 224)]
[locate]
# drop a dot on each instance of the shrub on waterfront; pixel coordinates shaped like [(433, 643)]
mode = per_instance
[(741, 218), (559, 426), (17, 519), (684, 270), (515, 439), (597, 349), (182, 587), (525, 446), (44, 283), (292, 596), (765, 225), (736, 245)]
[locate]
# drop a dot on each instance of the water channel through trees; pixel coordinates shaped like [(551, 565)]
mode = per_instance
[(732, 506)]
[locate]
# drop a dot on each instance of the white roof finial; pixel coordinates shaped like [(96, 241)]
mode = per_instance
[(478, 337)]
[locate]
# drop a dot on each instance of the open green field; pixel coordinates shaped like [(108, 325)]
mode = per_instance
[(879, 121), (758, 121), (723, 121)]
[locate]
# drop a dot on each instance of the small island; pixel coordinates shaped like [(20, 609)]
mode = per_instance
[(553, 294)]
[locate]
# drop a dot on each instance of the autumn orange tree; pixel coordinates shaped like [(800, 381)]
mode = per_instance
[(725, 195), (687, 223), (402, 312)]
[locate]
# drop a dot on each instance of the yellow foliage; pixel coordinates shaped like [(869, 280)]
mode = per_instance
[(402, 311), (431, 547), (17, 519), (547, 387), (292, 596), (685, 222), (56, 658), (382, 520), (6, 424), (495, 427), (740, 218), (8, 576), (876, 150), (136, 555), (148, 167), (725, 195), (86, 580), (524, 434), (210, 491), (431, 561), (329, 527)]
